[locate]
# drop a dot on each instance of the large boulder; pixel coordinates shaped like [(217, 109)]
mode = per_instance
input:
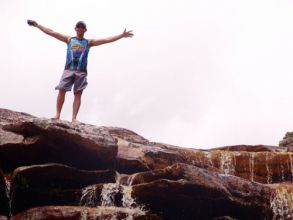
[(185, 192), (52, 184), (26, 140), (260, 163), (135, 157)]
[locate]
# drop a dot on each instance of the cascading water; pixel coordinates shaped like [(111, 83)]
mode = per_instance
[(269, 172), (130, 179), (8, 194), (109, 191), (282, 204), (227, 163), (127, 200), (89, 197), (109, 194), (251, 165), (208, 155)]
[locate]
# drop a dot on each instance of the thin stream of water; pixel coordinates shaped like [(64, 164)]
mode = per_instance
[(282, 204), (8, 194), (109, 194)]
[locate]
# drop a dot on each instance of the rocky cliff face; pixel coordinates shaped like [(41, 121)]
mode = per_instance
[(59, 170)]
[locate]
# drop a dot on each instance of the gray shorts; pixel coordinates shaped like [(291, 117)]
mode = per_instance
[(70, 78)]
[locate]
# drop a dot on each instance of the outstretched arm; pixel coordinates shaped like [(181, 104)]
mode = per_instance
[(50, 32), (98, 42)]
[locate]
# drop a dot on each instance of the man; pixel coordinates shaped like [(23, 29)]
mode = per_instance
[(75, 72)]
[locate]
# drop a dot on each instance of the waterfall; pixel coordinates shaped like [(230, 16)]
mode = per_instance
[(130, 179), (282, 204), (89, 197), (83, 215), (8, 194), (111, 192), (208, 155), (227, 163), (251, 165), (205, 158), (127, 200), (269, 172)]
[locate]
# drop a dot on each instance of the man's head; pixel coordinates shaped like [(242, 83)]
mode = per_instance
[(80, 28)]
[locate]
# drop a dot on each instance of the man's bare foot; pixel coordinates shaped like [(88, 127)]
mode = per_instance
[(74, 121), (56, 117)]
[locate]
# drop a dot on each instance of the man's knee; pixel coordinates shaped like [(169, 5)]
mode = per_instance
[(62, 92), (78, 93)]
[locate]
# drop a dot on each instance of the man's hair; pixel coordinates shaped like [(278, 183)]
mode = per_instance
[(81, 23)]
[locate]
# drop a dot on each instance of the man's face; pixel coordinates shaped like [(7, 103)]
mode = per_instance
[(80, 29)]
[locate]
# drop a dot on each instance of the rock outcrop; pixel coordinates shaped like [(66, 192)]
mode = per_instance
[(59, 170), (42, 141), (52, 184)]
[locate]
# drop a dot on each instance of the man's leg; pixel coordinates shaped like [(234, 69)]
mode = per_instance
[(60, 101), (76, 104)]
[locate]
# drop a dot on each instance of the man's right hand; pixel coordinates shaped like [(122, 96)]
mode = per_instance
[(32, 23)]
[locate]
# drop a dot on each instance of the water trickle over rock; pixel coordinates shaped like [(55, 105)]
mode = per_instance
[(60, 170)]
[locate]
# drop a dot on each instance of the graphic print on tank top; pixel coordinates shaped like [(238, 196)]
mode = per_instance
[(77, 52)]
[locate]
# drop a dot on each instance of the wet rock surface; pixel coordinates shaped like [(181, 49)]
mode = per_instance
[(77, 213), (194, 190), (4, 209), (60, 170), (52, 184)]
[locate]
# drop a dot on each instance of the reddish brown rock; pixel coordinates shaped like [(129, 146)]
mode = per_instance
[(129, 158), (192, 191), (127, 135), (175, 182), (264, 164), (263, 167), (78, 213), (52, 184), (251, 148), (282, 200), (136, 157), (9, 116), (78, 145)]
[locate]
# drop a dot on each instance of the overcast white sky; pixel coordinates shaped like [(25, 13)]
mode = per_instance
[(198, 73)]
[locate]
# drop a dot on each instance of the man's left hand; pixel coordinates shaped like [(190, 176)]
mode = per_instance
[(127, 33)]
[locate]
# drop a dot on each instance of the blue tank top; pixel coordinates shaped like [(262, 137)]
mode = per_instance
[(77, 52)]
